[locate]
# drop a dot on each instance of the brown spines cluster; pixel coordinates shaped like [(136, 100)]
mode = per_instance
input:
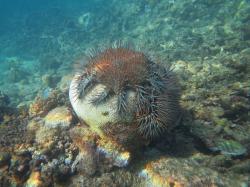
[(120, 68), (160, 113), (123, 70)]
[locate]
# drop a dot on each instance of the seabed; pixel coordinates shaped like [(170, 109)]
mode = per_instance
[(207, 44)]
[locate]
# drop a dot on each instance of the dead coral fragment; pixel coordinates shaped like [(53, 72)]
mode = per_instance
[(4, 158), (58, 117), (86, 160)]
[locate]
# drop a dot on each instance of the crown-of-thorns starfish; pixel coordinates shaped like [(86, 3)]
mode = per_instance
[(123, 85)]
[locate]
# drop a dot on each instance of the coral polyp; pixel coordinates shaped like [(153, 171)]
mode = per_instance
[(120, 85)]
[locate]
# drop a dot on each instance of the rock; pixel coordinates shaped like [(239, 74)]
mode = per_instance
[(50, 80), (46, 139), (4, 158), (85, 163), (185, 172), (242, 168), (4, 99), (58, 117), (34, 180), (62, 173), (65, 82)]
